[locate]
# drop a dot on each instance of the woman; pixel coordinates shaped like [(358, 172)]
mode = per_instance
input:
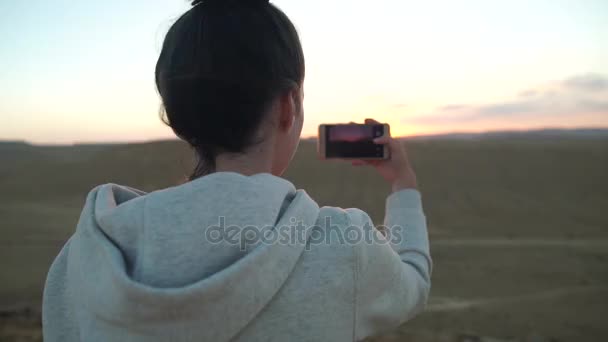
[(187, 263)]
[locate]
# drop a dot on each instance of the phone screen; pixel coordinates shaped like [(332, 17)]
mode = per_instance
[(353, 141)]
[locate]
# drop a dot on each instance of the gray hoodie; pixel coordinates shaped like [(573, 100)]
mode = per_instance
[(229, 257)]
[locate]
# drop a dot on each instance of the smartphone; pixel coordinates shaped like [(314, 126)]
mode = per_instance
[(352, 141)]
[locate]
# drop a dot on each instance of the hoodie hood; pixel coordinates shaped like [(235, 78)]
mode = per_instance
[(143, 265)]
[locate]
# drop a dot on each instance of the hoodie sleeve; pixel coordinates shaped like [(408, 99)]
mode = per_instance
[(392, 271)]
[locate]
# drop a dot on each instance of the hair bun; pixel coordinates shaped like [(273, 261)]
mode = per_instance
[(232, 2)]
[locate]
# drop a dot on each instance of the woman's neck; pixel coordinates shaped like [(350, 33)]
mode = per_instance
[(258, 159)]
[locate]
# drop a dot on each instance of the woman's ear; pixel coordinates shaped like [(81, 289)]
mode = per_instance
[(289, 108), (298, 98)]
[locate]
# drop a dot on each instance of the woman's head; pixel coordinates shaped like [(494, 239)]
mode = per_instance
[(230, 75)]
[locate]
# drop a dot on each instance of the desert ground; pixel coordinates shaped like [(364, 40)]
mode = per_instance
[(518, 226)]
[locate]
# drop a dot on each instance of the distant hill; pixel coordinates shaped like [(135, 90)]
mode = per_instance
[(9, 147), (21, 151), (541, 134)]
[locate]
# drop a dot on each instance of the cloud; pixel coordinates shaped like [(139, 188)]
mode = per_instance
[(582, 94), (509, 108), (528, 93), (451, 107), (593, 105), (587, 82)]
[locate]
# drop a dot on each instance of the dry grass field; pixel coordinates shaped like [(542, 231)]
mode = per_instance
[(519, 227)]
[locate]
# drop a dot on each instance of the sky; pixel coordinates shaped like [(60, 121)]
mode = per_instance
[(83, 71)]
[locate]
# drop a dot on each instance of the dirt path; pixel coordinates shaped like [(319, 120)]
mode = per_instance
[(439, 304), (549, 242)]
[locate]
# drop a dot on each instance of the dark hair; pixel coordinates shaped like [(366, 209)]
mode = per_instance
[(222, 64)]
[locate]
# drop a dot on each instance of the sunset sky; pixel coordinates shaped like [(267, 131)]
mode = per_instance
[(82, 71)]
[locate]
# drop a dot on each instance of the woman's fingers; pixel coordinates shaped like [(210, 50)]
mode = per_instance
[(382, 140)]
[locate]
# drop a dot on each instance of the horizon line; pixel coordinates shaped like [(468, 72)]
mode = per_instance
[(309, 137)]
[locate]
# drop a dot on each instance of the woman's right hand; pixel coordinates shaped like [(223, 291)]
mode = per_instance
[(397, 170)]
